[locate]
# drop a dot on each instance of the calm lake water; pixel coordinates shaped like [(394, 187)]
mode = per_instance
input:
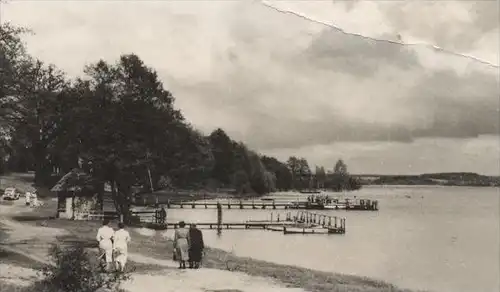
[(443, 239)]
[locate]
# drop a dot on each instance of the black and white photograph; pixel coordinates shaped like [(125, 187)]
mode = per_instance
[(249, 145)]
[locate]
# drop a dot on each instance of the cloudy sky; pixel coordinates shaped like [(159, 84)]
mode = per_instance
[(391, 87)]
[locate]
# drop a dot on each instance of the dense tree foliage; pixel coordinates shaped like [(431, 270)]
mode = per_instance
[(340, 180), (301, 172), (119, 124), (283, 175)]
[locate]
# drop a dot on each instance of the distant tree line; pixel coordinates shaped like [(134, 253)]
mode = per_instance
[(337, 179), (118, 123)]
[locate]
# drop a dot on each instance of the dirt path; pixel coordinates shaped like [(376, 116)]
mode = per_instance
[(32, 241), (198, 280)]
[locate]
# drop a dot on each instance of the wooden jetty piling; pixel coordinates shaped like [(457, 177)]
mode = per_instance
[(277, 217), (323, 220), (219, 218)]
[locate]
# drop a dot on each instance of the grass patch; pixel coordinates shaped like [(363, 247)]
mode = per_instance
[(19, 260), (8, 287), (45, 212)]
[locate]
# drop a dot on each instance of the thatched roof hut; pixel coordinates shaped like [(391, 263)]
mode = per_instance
[(77, 195), (74, 181)]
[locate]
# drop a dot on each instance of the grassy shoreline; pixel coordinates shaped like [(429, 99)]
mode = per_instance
[(155, 246)]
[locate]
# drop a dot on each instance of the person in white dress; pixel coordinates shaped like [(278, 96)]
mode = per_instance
[(105, 239), (34, 199), (181, 244), (27, 198), (121, 240)]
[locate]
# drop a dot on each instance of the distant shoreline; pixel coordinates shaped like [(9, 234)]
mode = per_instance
[(467, 179), (424, 184)]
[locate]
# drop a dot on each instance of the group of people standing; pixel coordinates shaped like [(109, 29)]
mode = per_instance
[(113, 245), (188, 246), (31, 199)]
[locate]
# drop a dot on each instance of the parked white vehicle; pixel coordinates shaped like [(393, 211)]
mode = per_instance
[(10, 194)]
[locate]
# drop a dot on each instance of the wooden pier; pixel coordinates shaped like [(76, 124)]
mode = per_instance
[(229, 205), (360, 205), (300, 223), (229, 225)]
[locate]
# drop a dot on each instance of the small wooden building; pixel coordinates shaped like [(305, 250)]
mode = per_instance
[(77, 196)]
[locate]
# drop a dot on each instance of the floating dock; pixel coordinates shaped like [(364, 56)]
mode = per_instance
[(295, 230)]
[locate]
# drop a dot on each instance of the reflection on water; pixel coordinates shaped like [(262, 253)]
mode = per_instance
[(434, 238)]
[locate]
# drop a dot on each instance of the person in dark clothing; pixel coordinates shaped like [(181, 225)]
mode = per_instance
[(196, 247), (163, 215)]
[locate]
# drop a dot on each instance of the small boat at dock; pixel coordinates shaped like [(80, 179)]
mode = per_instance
[(337, 206), (317, 205), (275, 228), (298, 230)]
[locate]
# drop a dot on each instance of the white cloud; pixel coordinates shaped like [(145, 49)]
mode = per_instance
[(276, 80), (466, 27)]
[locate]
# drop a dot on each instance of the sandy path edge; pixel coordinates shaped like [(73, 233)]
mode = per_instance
[(205, 279)]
